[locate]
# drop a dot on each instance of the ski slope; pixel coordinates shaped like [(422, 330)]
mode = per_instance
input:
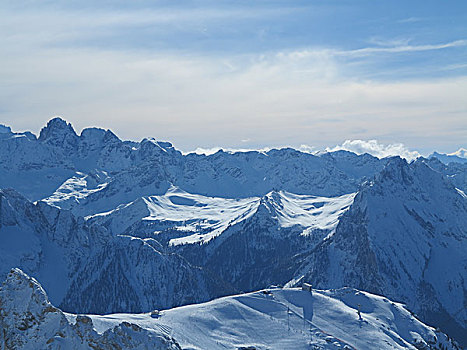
[(286, 319)]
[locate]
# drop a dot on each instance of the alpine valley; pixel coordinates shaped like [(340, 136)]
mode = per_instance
[(96, 232)]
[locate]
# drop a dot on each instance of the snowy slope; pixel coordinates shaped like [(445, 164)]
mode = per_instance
[(249, 243), (269, 319), (198, 219), (238, 175)]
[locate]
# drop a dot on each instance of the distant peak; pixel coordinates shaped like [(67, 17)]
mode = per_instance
[(110, 136), (151, 144), (5, 129), (57, 122), (56, 127), (460, 156), (396, 170), (92, 132), (152, 140), (461, 152), (100, 134)]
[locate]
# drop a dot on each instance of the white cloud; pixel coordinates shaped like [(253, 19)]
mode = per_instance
[(376, 149), (308, 149)]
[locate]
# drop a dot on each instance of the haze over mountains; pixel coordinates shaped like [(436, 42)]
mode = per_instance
[(109, 226)]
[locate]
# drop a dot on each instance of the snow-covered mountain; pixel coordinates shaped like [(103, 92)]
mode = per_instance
[(122, 226), (250, 243), (460, 156), (269, 319), (404, 236), (199, 219)]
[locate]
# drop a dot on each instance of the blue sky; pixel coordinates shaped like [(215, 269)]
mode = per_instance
[(240, 74)]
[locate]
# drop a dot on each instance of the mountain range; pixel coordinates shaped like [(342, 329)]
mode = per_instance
[(112, 226)]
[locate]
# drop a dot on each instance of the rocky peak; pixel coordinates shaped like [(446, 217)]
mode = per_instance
[(396, 171), (420, 176), (60, 135), (149, 148), (272, 200), (5, 129), (29, 321), (24, 310), (56, 127), (269, 207), (23, 292), (98, 135)]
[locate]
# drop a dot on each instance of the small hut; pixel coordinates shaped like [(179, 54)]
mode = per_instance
[(307, 287)]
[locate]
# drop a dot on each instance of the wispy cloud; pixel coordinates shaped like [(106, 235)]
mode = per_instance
[(393, 42), (366, 51), (411, 20), (402, 48), (132, 27), (455, 66)]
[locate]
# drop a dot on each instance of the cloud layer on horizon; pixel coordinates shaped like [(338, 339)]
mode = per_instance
[(372, 147)]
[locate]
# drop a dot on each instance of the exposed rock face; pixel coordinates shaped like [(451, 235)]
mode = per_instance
[(132, 275)]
